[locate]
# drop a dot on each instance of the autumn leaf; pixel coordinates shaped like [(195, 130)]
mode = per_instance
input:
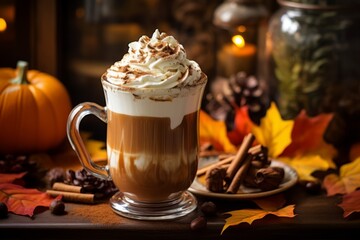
[(274, 132), (242, 126), (250, 215), (347, 181), (96, 149), (10, 177), (23, 201), (214, 132), (307, 136), (305, 165), (350, 203)]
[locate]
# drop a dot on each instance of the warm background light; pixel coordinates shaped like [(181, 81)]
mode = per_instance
[(238, 40), (241, 28), (3, 25)]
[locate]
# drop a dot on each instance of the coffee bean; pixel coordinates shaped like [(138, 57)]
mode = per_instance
[(17, 168), (80, 175), (57, 207), (3, 210), (55, 175), (70, 175), (208, 208), (313, 187), (76, 182), (198, 223)]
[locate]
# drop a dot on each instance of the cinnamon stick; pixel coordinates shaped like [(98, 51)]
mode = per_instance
[(240, 175), (59, 186), (203, 170), (256, 149), (239, 157), (225, 156), (72, 196)]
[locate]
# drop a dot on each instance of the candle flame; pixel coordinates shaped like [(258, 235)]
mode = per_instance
[(239, 41), (3, 25)]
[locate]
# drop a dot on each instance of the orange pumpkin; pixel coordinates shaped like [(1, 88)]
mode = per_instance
[(34, 107)]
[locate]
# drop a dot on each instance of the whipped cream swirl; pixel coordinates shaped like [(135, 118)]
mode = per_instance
[(159, 62)]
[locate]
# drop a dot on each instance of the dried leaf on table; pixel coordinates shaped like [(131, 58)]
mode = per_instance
[(214, 132), (242, 126), (10, 177), (307, 136), (307, 164), (347, 181), (23, 201), (350, 203), (250, 215), (274, 132)]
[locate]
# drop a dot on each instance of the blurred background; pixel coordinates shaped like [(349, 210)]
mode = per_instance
[(76, 41), (302, 54)]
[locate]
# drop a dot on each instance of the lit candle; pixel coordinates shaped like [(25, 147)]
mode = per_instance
[(3, 25), (236, 56)]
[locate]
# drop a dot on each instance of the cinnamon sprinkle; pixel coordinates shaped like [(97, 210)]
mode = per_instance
[(99, 213)]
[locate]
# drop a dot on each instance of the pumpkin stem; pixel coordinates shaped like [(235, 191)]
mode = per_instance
[(22, 68)]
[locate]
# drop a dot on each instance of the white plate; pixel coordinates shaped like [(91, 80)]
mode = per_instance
[(290, 180)]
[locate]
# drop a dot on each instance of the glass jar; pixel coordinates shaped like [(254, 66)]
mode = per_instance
[(313, 52)]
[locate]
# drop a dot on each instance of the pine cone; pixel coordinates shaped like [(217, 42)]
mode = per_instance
[(237, 91)]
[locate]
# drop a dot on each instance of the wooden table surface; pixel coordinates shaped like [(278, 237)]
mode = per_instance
[(318, 217)]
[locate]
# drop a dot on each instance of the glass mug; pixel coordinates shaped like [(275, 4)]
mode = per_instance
[(152, 147)]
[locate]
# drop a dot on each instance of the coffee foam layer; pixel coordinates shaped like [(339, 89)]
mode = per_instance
[(175, 105)]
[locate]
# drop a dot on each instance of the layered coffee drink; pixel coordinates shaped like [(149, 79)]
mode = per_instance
[(153, 95)]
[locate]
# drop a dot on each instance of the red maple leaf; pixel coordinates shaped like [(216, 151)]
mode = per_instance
[(350, 203), (243, 126), (23, 201), (10, 177), (307, 134)]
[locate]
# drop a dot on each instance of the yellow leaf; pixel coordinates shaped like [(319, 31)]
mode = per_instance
[(274, 132), (346, 182), (307, 164), (250, 215), (96, 149), (214, 132)]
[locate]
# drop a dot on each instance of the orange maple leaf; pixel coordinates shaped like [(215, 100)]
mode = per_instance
[(250, 215), (307, 135), (350, 203), (347, 181), (214, 132), (10, 177), (23, 201)]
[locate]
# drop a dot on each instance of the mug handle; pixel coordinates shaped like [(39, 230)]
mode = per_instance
[(73, 123)]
